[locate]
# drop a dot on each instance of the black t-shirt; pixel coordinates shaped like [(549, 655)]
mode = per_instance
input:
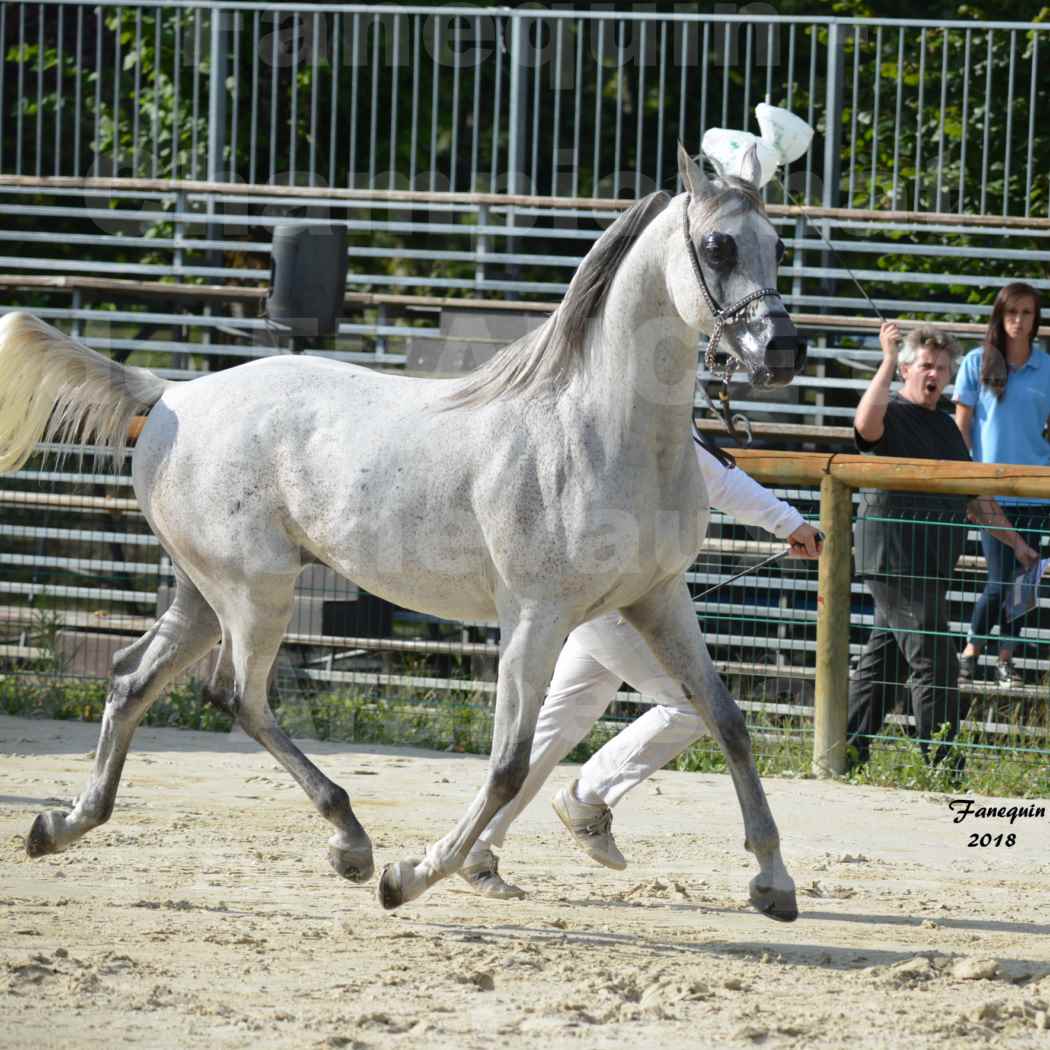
[(911, 533)]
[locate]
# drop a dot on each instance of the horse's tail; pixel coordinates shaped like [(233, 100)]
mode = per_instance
[(53, 388)]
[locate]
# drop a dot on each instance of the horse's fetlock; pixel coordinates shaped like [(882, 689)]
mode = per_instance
[(96, 816), (332, 802)]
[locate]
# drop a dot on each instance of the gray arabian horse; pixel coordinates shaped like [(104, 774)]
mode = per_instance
[(556, 483)]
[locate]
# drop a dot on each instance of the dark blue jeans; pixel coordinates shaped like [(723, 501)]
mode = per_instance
[(1003, 568), (909, 645)]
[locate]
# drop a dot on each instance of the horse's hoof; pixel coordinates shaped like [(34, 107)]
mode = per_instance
[(395, 884), (41, 838), (356, 865), (390, 896), (777, 904)]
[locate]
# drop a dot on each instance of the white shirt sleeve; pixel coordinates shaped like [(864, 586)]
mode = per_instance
[(734, 492)]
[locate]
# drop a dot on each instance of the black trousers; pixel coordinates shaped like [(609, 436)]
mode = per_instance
[(909, 644)]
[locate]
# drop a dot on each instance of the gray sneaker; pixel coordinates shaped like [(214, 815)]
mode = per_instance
[(591, 827), (483, 877)]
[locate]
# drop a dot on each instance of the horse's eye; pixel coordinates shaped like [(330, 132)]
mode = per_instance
[(719, 250), (780, 250)]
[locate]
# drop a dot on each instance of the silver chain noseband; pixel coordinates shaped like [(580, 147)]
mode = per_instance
[(723, 315)]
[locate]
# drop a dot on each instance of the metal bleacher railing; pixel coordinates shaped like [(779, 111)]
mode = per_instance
[(194, 234), (473, 156)]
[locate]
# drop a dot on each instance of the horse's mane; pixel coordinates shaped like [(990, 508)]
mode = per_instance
[(548, 355)]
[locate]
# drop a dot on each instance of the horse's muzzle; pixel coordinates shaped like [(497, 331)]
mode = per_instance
[(785, 352)]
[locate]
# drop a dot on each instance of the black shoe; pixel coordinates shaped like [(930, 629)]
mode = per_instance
[(1007, 676), (967, 669)]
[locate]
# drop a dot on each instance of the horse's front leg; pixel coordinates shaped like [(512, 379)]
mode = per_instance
[(531, 641), (667, 621)]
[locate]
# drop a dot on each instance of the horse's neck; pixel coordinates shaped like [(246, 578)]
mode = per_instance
[(644, 357)]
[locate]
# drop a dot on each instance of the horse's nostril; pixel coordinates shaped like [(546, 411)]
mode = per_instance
[(800, 356)]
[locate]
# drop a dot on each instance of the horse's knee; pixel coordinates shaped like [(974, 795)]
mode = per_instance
[(126, 694)]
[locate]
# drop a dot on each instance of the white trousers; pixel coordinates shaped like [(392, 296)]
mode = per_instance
[(595, 659)]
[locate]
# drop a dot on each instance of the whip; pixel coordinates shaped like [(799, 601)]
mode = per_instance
[(835, 252), (750, 569)]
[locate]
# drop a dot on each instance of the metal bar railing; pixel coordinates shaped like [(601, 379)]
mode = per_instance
[(307, 63)]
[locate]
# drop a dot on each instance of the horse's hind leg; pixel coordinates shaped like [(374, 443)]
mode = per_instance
[(175, 642), (253, 627), (667, 621)]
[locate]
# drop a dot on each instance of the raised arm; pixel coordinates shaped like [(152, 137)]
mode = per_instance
[(871, 412)]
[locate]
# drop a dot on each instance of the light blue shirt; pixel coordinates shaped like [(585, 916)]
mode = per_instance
[(1010, 429)]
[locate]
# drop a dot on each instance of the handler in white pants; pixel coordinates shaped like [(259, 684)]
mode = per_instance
[(595, 659)]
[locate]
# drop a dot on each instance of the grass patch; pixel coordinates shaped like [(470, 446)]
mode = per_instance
[(1011, 768), (84, 699), (462, 722)]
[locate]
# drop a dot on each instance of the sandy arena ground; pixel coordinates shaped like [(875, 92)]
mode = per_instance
[(205, 915)]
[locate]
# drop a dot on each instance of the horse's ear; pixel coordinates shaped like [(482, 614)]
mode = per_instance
[(751, 166), (692, 175)]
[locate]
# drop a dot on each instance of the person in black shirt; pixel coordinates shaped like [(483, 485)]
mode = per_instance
[(907, 545)]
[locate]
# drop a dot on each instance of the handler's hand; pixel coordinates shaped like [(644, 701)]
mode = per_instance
[(1025, 555), (889, 340), (806, 542)]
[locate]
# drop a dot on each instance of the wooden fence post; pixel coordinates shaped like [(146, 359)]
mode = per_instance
[(833, 608)]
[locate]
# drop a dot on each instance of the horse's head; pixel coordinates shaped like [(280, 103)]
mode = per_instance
[(725, 284)]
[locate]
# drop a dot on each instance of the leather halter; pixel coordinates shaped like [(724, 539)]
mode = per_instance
[(723, 315)]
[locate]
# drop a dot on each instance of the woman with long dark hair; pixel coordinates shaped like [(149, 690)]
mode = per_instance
[(1002, 408)]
